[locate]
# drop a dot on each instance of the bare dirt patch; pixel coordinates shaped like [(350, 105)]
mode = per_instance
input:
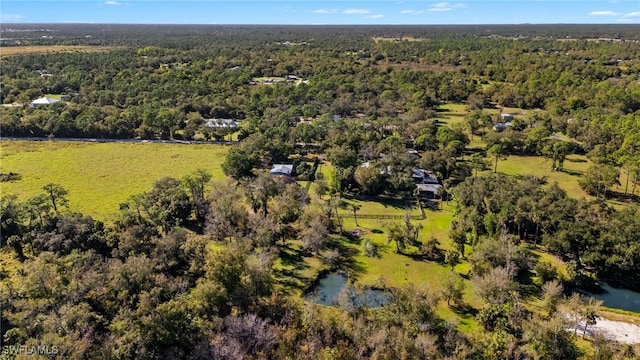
[(622, 332)]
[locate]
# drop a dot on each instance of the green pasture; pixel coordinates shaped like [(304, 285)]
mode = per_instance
[(54, 96), (574, 167), (392, 269), (274, 78), (451, 113), (100, 176)]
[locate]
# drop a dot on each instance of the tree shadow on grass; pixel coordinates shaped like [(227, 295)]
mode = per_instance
[(464, 310), (571, 172), (293, 257), (290, 281), (622, 197), (348, 252), (288, 276), (385, 201), (437, 256), (526, 287)]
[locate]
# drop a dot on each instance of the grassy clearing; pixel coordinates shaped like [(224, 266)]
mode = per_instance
[(452, 113), (100, 176), (54, 96), (395, 39), (393, 269), (388, 269), (273, 78), (21, 50), (539, 166)]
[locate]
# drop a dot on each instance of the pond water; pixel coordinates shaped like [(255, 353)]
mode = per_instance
[(329, 289), (618, 298)]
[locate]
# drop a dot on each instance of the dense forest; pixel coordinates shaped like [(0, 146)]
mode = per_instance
[(191, 268)]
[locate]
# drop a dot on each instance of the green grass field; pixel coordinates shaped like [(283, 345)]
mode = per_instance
[(54, 96), (451, 113), (539, 166), (273, 78), (100, 176)]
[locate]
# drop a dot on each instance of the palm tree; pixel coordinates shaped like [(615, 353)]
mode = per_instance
[(498, 152), (355, 208), (396, 234), (589, 313)]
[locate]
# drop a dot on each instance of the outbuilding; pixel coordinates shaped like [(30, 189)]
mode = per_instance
[(44, 101)]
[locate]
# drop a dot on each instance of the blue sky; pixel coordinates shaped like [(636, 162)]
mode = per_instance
[(321, 12)]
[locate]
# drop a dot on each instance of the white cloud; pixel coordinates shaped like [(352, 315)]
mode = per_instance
[(603, 13), (11, 17), (325, 11), (446, 6), (111, 2), (377, 16), (633, 14), (412, 12), (356, 11)]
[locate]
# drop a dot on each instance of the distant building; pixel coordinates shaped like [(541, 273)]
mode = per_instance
[(429, 191), (499, 127), (384, 170), (506, 117), (221, 123), (424, 176), (44, 101), (281, 169)]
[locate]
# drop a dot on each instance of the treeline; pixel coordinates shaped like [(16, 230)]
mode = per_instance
[(187, 36), (160, 90), (597, 241)]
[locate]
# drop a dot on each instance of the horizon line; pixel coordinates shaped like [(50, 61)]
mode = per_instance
[(3, 25)]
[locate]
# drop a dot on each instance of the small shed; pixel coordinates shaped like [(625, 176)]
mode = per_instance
[(424, 176), (281, 169), (221, 123), (506, 117), (429, 191), (44, 101)]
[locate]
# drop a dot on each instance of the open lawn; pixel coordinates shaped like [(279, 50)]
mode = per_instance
[(451, 113), (274, 79), (20, 50), (396, 39), (392, 269), (540, 167), (100, 176), (54, 96)]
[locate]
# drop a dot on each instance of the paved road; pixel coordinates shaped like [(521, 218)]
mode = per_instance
[(95, 140)]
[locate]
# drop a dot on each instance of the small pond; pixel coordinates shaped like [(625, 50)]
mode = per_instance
[(328, 292), (618, 298)]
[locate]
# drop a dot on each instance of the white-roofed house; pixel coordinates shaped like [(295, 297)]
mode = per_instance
[(43, 101), (281, 169)]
